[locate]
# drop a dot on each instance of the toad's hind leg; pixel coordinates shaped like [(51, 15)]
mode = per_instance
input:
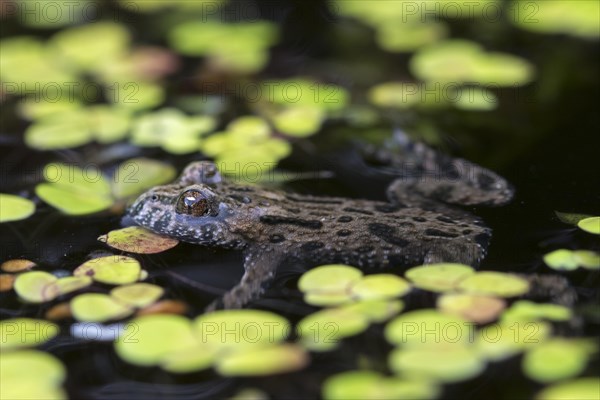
[(260, 267)]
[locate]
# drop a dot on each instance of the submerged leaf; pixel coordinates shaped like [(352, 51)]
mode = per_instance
[(15, 208)]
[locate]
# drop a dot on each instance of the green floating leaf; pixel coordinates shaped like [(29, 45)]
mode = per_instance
[(323, 330), (558, 359), (306, 94), (191, 359), (494, 284), (70, 284), (30, 374), (499, 342), (113, 270), (91, 45), (36, 286), (371, 385), (171, 129), (135, 239), (137, 175), (332, 278), (570, 218), (98, 307), (236, 329), (395, 94), (527, 311), (569, 260), (574, 17), (18, 333), (427, 327), (375, 310), (268, 360), (444, 362), (580, 389), (150, 339), (474, 99), (302, 121), (138, 294), (462, 61), (591, 225), (33, 108), (109, 124), (15, 208), (409, 36), (73, 190), (380, 286), (135, 95), (476, 308), (439, 277)]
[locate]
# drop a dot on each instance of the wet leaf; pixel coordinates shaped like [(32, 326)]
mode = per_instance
[(137, 175), (17, 265), (334, 278), (590, 225), (240, 328), (150, 339), (570, 218), (501, 341), (137, 295), (323, 330), (300, 121), (439, 362), (494, 284), (113, 270), (31, 374), (98, 307), (580, 389), (475, 308), (36, 286), (474, 99), (525, 311), (409, 36), (15, 208), (19, 333), (439, 277), (558, 359), (269, 360), (135, 239), (191, 359), (426, 327), (70, 284), (371, 385), (380, 286), (73, 190), (327, 299), (461, 61), (561, 260), (59, 131), (375, 310)]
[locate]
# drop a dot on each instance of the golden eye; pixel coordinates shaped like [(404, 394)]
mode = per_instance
[(192, 202)]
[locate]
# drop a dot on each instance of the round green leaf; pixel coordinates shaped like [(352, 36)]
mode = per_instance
[(15, 208), (135, 239), (240, 328), (30, 374), (191, 359), (501, 341), (59, 131), (323, 330), (136, 175), (36, 286), (439, 277), (591, 225), (150, 339), (17, 333), (114, 270), (426, 327), (269, 360), (380, 286), (371, 385), (138, 294), (561, 260), (557, 359), (495, 284), (445, 363), (98, 307), (525, 311), (335, 278), (580, 389), (375, 310), (70, 284)]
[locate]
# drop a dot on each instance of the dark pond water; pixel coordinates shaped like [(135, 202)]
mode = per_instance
[(546, 144)]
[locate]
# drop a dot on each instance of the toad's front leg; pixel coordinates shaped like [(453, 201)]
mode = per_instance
[(260, 265)]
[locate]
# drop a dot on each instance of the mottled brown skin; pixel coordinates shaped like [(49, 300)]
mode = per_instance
[(273, 228)]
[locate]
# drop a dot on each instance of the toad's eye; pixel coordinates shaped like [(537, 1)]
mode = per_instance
[(192, 202), (154, 197)]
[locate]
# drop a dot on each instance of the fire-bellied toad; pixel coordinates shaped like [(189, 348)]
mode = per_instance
[(417, 225)]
